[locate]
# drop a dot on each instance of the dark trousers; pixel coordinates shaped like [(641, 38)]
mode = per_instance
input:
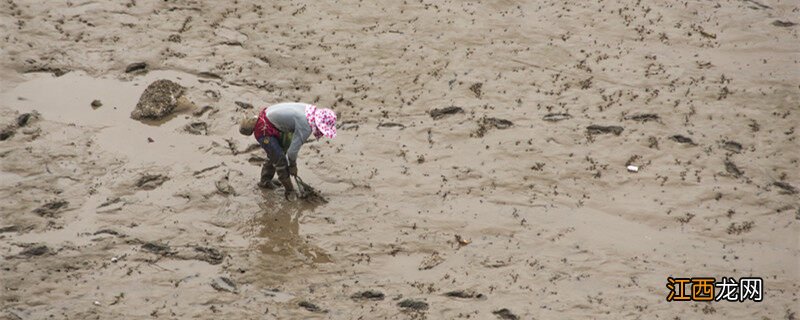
[(276, 159)]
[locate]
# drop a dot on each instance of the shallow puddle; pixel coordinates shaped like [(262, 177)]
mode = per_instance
[(279, 227)]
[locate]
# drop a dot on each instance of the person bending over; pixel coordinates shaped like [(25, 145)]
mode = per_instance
[(281, 130)]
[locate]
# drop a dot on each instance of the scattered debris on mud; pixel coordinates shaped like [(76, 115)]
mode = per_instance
[(476, 88), (431, 261)]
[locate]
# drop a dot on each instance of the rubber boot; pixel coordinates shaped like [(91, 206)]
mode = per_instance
[(288, 191), (267, 172), (287, 184)]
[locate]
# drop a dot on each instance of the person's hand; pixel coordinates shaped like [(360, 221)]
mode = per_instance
[(293, 169)]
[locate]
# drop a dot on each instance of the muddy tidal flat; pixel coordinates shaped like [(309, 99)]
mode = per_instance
[(483, 167)]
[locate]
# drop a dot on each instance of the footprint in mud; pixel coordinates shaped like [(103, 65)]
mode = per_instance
[(785, 188), (487, 123), (437, 113), (49, 209), (224, 284), (368, 295), (136, 67), (464, 294), (243, 105), (556, 117), (783, 24), (732, 169), (644, 117), (151, 181), (505, 314), (413, 305), (34, 251), (349, 125), (598, 129), (197, 128), (224, 187), (157, 248), (392, 125), (211, 255), (732, 146), (311, 307), (22, 121), (8, 229), (682, 139), (200, 112)]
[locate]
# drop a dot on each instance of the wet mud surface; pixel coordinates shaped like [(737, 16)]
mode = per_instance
[(479, 171)]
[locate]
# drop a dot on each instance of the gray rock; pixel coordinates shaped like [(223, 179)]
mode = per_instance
[(158, 100)]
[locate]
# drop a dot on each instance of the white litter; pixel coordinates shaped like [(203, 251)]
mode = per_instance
[(632, 168)]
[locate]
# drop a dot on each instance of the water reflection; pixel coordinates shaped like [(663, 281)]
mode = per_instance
[(280, 231)]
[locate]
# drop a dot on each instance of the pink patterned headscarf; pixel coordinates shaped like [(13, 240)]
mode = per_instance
[(322, 121)]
